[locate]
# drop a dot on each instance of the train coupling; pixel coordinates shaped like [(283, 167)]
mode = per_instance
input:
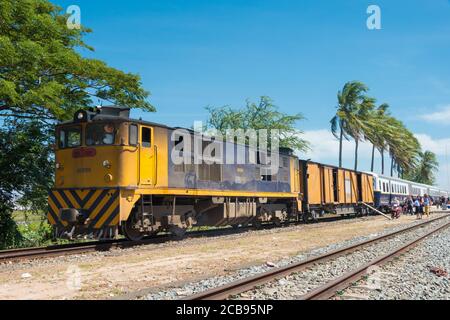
[(74, 216)]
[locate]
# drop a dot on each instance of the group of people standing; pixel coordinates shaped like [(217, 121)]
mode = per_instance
[(418, 205)]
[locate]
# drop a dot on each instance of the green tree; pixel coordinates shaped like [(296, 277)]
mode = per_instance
[(377, 133), (261, 115), (42, 73), (364, 116), (45, 79), (350, 115), (404, 148), (425, 170), (26, 174)]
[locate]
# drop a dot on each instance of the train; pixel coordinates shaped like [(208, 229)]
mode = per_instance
[(387, 189), (116, 176)]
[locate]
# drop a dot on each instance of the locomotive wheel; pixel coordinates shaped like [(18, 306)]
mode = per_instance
[(277, 222), (131, 233), (314, 215), (310, 216), (177, 231), (257, 224)]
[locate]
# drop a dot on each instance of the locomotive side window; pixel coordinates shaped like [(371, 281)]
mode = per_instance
[(146, 137), (69, 137), (100, 134), (133, 135)]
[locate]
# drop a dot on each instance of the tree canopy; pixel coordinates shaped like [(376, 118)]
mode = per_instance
[(357, 118), (261, 115), (44, 78), (42, 72), (425, 169)]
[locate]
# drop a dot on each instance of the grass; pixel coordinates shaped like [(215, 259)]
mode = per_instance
[(34, 228), (24, 217)]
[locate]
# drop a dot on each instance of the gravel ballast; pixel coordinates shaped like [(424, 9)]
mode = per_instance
[(419, 274), (297, 284)]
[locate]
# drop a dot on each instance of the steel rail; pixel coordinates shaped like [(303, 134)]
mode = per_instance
[(73, 248), (330, 289), (100, 245), (246, 284)]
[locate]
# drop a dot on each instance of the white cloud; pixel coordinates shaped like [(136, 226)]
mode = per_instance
[(437, 146), (442, 116), (440, 147), (325, 149)]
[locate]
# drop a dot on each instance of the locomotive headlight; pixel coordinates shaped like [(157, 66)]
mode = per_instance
[(108, 177), (80, 115), (107, 164), (59, 166)]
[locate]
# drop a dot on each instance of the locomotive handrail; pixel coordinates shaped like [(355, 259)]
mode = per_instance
[(155, 180)]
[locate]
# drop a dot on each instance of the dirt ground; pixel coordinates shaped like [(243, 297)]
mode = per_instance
[(104, 275)]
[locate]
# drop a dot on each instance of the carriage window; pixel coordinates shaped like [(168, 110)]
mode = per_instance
[(133, 135), (69, 137), (100, 134), (146, 137)]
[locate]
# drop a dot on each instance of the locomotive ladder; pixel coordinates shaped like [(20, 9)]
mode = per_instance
[(148, 203), (376, 210)]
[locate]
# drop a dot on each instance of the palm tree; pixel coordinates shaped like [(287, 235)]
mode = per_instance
[(347, 122), (404, 148), (377, 133), (426, 167), (362, 126)]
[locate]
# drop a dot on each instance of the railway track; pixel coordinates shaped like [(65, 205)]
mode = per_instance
[(329, 289), (91, 246)]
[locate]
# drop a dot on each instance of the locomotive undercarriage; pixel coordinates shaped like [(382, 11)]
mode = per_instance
[(152, 214), (314, 212)]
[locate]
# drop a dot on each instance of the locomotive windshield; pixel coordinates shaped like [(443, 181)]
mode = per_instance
[(100, 134), (69, 137)]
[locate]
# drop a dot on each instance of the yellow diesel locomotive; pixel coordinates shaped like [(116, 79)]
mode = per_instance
[(115, 175)]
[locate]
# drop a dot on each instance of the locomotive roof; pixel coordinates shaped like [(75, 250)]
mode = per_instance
[(111, 113), (336, 167), (117, 113)]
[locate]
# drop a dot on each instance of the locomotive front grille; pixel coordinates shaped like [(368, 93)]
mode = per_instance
[(92, 209)]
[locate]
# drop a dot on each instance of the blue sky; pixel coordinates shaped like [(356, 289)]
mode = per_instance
[(192, 54)]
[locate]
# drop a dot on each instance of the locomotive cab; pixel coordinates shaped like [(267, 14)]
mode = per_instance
[(101, 157), (92, 152)]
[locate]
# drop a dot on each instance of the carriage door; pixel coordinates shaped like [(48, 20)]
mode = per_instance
[(147, 157), (335, 185), (360, 187)]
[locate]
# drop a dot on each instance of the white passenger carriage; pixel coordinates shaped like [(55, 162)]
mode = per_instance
[(388, 189)]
